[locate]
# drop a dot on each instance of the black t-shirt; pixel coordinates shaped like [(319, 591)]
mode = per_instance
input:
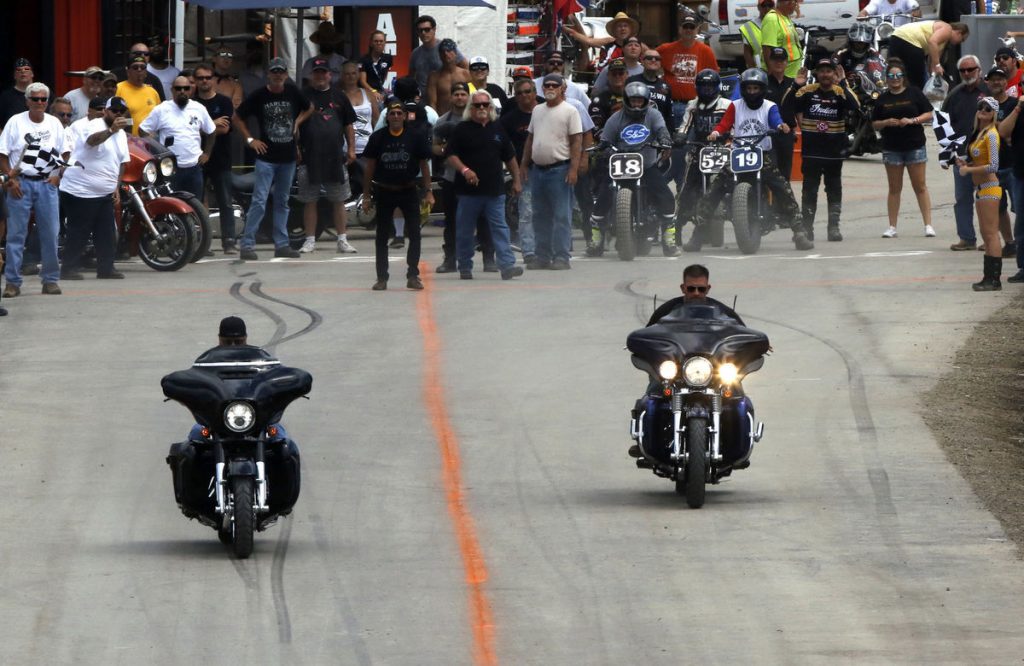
[(398, 157), (661, 95), (12, 102), (962, 104), (376, 72), (1006, 151), (668, 306), (276, 114), (218, 106), (484, 149), (516, 123), (603, 106), (1017, 140), (322, 135), (498, 95), (909, 103)]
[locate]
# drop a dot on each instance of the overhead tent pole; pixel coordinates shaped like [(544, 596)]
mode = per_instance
[(298, 44), (179, 34)]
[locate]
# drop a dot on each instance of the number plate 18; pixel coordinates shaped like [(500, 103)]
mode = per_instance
[(747, 158), (625, 166)]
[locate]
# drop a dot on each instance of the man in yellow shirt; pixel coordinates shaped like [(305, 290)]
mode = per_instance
[(140, 97), (777, 30)]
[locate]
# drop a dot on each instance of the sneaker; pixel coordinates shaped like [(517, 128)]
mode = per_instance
[(962, 245), (112, 275), (834, 234), (380, 285), (286, 253), (511, 272), (308, 245), (398, 243), (344, 247), (248, 254), (1017, 277), (929, 231), (560, 265), (12, 290), (889, 233), (71, 274), (51, 288), (414, 283)]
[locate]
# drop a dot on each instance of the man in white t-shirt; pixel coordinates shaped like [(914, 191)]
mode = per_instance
[(183, 125), (80, 126), (887, 8), (30, 148), (92, 83), (551, 157), (160, 68), (90, 188)]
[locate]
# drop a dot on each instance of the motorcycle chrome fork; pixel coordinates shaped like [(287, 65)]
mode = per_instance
[(140, 206), (219, 482), (678, 429), (261, 477)]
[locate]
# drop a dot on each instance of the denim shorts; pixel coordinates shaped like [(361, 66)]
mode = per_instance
[(905, 157)]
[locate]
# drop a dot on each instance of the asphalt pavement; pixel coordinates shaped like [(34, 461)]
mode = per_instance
[(467, 497)]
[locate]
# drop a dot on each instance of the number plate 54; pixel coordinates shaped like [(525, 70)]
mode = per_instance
[(747, 158), (713, 159), (625, 166)]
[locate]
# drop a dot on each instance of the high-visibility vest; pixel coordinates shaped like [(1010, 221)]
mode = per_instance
[(751, 33)]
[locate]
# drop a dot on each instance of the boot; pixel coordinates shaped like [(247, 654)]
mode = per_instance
[(446, 266), (808, 229), (801, 240), (833, 233), (696, 240), (668, 242), (993, 270)]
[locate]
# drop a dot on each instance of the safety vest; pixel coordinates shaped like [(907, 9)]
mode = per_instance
[(751, 33)]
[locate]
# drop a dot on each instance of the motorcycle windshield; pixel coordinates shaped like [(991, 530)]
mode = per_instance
[(223, 376), (698, 329)]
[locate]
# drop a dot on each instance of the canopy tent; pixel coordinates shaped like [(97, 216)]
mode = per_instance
[(273, 4)]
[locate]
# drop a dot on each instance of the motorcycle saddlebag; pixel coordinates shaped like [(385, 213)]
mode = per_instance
[(737, 426), (191, 472), (284, 476)]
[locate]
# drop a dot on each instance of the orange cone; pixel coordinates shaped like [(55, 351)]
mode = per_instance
[(797, 174)]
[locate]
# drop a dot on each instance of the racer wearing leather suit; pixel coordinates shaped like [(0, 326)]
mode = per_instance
[(860, 57), (702, 115), (637, 110), (751, 115)]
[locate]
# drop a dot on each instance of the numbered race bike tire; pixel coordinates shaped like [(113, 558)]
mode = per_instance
[(744, 219), (625, 242)]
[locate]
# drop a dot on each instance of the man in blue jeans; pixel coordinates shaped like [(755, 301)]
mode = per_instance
[(551, 160), (961, 104), (1013, 126), (476, 151), (277, 108)]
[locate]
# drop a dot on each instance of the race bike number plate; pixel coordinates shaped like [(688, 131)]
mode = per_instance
[(626, 166), (713, 159), (746, 158)]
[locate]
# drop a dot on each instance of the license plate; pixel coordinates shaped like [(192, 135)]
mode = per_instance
[(623, 166), (713, 159), (747, 158)]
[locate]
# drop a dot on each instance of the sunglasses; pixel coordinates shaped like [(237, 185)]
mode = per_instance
[(138, 68), (481, 105), (478, 68), (422, 30), (138, 53), (968, 70), (894, 75), (552, 85), (698, 289), (652, 57), (525, 92), (203, 78), (39, 100), (985, 108), (1004, 57), (63, 115), (182, 88)]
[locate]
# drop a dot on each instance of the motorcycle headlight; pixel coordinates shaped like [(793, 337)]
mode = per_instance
[(885, 31), (874, 95), (167, 167), (697, 371), (727, 373), (149, 173), (239, 416), (668, 370)]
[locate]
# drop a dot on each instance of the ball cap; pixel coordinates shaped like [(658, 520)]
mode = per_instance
[(687, 16), (98, 103), (479, 62), (522, 73), (447, 44), (617, 63), (778, 53), (1005, 51), (990, 102), (94, 71), (321, 63), (824, 62), (554, 78), (22, 62), (116, 104), (277, 65), (396, 104), (459, 85), (996, 71), (232, 327)]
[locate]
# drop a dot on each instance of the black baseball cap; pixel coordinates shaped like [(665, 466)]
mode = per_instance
[(1005, 51), (321, 63), (617, 63), (824, 62), (778, 53), (996, 71), (99, 102), (116, 104), (232, 327), (459, 85)]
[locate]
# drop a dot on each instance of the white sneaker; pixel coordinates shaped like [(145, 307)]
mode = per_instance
[(889, 233), (345, 248), (309, 245), (929, 231)]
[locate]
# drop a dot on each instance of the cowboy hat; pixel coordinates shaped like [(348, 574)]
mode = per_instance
[(623, 17), (325, 34)]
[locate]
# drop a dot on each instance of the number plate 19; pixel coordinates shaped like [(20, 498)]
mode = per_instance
[(626, 166), (747, 158)]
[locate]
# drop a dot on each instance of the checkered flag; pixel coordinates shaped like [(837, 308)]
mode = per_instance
[(950, 142), (38, 160)]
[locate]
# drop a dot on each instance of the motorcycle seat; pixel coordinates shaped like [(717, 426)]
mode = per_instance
[(243, 183)]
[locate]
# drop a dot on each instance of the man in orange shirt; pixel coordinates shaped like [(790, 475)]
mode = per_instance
[(682, 59)]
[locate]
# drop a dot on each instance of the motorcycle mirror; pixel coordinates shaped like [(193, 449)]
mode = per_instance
[(800, 32), (703, 11)]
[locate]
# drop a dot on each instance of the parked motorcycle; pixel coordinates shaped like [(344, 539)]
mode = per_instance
[(862, 137), (165, 229), (695, 425), (224, 477)]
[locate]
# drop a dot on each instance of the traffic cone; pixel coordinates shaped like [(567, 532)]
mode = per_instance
[(797, 173)]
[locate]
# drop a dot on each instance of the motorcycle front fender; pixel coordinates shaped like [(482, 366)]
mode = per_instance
[(243, 467), (168, 206)]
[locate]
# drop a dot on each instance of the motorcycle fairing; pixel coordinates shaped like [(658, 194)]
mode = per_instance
[(697, 329)]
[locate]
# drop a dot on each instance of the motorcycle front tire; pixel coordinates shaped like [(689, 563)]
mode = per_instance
[(202, 235), (244, 519), (179, 232), (625, 242), (695, 471), (744, 219)]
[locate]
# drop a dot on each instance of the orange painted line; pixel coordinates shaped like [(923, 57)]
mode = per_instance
[(451, 465)]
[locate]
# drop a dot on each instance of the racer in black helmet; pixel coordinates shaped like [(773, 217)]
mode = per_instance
[(709, 85)]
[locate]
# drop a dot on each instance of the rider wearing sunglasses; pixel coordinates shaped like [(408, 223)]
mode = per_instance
[(1006, 60)]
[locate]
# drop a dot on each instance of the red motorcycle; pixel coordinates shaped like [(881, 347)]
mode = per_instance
[(165, 229)]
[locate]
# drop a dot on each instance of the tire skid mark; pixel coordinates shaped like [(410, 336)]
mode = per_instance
[(314, 317), (284, 623)]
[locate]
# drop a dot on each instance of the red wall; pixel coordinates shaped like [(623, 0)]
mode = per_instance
[(77, 41)]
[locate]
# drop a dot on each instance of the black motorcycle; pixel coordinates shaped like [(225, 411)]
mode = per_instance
[(695, 424), (862, 136), (223, 475)]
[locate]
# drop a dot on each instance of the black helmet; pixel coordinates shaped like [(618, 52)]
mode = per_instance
[(631, 92), (860, 36), (708, 84), (753, 84)]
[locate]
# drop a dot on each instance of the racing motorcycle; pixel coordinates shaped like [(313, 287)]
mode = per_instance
[(695, 425), (237, 473), (862, 136), (636, 225), (164, 228)]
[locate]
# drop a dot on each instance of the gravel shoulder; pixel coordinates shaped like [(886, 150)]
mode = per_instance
[(975, 412)]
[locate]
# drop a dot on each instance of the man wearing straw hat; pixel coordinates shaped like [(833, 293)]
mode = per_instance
[(619, 28), (328, 39)]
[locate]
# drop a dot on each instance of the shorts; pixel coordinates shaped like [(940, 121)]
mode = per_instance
[(310, 193), (905, 157), (989, 191)]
